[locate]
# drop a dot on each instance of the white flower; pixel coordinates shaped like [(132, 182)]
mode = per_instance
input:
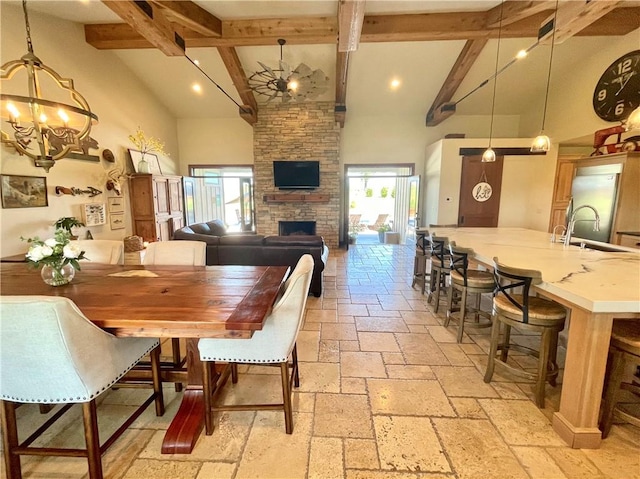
[(38, 252), (51, 242), (71, 251)]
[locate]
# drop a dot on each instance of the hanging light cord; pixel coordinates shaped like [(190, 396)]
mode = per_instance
[(27, 27), (546, 95), (242, 109), (495, 80)]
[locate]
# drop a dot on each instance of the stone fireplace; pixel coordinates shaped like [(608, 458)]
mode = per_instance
[(286, 228), (297, 131)]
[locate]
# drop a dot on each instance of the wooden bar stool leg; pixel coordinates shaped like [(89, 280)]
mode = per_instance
[(553, 353), (612, 391), (447, 318), (94, 457), (463, 311), (504, 351), (493, 349), (10, 439)]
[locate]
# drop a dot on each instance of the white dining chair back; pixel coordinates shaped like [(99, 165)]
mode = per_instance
[(273, 344), (186, 253), (50, 353), (102, 251)]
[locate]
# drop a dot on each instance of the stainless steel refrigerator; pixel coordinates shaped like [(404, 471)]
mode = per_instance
[(597, 187)]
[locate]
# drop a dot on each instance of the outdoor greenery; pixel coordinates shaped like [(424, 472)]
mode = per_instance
[(384, 191)]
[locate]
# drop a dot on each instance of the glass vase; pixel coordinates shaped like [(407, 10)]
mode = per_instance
[(143, 166), (56, 275)]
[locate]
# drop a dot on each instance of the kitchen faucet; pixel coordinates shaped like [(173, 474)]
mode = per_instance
[(573, 220)]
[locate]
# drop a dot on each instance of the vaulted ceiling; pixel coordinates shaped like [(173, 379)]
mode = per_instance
[(438, 50)]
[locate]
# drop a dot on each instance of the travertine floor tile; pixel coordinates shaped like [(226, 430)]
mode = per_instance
[(397, 371), (353, 474), (319, 377), (146, 468), (575, 464), (468, 408), (520, 422), (342, 415), (421, 349), (377, 311), (613, 456), (476, 450), (353, 309), (463, 381), (329, 351), (326, 459), (407, 397), (361, 454), (455, 354), (391, 325), (349, 346), (321, 316), (264, 453), (394, 303), (419, 317), (393, 358), (216, 470), (410, 444), (538, 463), (378, 342), (362, 365), (353, 386), (308, 345), (338, 331)]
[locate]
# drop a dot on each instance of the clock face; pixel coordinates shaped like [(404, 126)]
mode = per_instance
[(617, 93)]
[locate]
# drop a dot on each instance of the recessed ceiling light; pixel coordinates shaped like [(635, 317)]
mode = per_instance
[(395, 84), (521, 54), (197, 62), (196, 87)]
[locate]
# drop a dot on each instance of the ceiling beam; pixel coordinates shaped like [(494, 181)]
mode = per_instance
[(513, 11), (150, 22), (574, 16), (192, 16), (350, 20), (234, 67), (376, 28), (469, 54), (342, 71)]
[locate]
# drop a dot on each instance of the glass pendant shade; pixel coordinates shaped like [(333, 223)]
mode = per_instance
[(489, 156), (541, 143), (633, 122)]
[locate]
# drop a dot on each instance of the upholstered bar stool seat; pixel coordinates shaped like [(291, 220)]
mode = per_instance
[(624, 350), (465, 281), (527, 314)]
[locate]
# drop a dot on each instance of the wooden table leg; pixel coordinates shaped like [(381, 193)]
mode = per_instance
[(588, 344), (188, 422)]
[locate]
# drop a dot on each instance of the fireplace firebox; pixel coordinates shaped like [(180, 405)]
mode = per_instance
[(287, 228)]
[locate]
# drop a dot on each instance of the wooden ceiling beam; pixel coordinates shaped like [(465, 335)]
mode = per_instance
[(150, 22), (350, 20), (515, 10), (234, 67), (376, 28), (469, 54), (192, 16), (342, 71), (574, 16)]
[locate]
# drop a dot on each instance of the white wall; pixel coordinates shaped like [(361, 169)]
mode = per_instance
[(220, 141), (527, 183), (113, 93)]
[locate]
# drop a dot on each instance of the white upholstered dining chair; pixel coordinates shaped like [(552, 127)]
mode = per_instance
[(102, 251), (51, 353), (180, 253), (273, 344)]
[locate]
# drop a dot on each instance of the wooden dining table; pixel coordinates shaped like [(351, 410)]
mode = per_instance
[(165, 302)]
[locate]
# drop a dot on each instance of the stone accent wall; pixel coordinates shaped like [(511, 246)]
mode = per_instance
[(298, 131)]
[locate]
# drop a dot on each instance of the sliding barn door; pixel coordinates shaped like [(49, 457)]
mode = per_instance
[(480, 186)]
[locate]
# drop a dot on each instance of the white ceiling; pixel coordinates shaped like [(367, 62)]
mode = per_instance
[(421, 67)]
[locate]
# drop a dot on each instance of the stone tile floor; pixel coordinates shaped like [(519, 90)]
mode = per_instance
[(386, 392)]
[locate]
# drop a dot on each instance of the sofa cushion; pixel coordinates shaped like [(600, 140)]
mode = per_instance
[(294, 240), (189, 233), (200, 228), (236, 240), (217, 228)]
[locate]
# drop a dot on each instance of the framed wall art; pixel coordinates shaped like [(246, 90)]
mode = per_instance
[(23, 191), (94, 214), (152, 162), (116, 222), (116, 205)]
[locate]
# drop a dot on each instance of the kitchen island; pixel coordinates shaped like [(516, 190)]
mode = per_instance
[(595, 286)]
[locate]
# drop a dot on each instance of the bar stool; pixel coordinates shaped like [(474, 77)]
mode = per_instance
[(440, 268), (527, 313), (465, 281), (423, 252), (623, 350)]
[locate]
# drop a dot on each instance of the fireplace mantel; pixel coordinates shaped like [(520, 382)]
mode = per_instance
[(296, 198)]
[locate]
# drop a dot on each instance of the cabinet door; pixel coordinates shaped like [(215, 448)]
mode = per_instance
[(163, 228), (558, 217), (142, 197), (161, 195), (175, 195), (565, 173)]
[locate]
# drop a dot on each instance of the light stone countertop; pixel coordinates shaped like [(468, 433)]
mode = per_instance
[(597, 281)]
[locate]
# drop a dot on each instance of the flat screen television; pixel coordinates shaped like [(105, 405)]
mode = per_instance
[(296, 175)]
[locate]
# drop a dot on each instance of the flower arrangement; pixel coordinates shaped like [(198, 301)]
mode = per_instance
[(146, 145), (57, 255)]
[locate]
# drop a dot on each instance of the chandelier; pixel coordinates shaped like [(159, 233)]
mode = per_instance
[(299, 84), (43, 127)]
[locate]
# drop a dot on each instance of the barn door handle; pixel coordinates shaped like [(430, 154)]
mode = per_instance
[(462, 220)]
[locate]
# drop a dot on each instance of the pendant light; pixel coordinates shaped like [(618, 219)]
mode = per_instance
[(542, 143), (489, 155), (46, 118)]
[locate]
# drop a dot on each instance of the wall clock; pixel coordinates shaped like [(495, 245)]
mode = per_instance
[(617, 92)]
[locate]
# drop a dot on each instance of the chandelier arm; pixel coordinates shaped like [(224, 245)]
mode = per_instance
[(49, 103)]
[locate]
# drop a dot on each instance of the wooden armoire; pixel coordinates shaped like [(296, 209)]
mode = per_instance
[(157, 206)]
